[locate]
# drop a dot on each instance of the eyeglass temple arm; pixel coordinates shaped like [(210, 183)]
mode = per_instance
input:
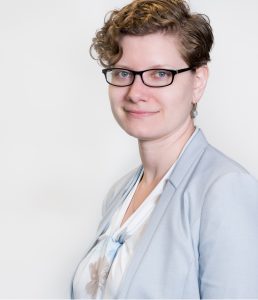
[(183, 70)]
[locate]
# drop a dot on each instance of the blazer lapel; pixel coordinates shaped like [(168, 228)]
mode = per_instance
[(189, 158), (118, 200)]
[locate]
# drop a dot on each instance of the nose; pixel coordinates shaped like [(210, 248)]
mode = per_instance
[(138, 91)]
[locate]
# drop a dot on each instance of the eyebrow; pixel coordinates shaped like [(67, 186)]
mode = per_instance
[(150, 67)]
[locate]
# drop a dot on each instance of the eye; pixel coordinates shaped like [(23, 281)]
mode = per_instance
[(121, 74), (162, 74), (124, 74)]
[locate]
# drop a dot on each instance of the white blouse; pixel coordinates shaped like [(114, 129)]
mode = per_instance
[(100, 272)]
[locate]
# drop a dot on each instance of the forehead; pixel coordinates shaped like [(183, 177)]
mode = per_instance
[(156, 49)]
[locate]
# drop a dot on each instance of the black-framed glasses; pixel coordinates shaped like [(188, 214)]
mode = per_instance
[(152, 77)]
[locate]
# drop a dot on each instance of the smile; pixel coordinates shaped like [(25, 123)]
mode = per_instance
[(140, 113)]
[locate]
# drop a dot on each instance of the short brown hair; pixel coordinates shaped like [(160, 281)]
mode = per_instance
[(142, 17)]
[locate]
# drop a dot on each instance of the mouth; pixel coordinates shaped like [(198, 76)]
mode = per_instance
[(140, 113)]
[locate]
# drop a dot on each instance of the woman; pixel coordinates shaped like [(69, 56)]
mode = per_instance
[(185, 223)]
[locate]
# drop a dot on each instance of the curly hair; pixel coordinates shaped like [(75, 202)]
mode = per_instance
[(142, 17)]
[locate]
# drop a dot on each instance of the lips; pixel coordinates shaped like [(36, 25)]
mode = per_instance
[(140, 113)]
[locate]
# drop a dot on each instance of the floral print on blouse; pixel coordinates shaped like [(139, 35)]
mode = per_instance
[(98, 275)]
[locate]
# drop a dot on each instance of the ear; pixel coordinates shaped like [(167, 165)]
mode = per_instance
[(200, 80)]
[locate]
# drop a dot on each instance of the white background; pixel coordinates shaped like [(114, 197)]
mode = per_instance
[(60, 149)]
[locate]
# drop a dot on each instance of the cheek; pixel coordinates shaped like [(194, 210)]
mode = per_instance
[(177, 104), (177, 98), (184, 94), (116, 95)]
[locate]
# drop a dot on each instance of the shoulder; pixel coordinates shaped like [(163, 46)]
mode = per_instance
[(229, 197), (217, 171), (226, 177), (218, 181), (217, 163)]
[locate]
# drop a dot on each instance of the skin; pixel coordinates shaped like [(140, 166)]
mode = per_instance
[(158, 117)]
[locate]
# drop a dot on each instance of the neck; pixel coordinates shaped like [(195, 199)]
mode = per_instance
[(159, 155)]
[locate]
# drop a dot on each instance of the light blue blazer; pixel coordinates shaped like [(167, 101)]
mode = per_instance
[(202, 238)]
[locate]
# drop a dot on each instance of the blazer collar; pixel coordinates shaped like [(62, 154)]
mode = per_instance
[(191, 152), (118, 200)]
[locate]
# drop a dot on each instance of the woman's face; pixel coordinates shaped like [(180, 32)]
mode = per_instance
[(149, 113)]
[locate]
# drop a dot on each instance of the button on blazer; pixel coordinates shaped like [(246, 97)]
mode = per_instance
[(201, 240)]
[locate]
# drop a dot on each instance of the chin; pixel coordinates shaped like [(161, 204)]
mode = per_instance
[(140, 134), (144, 131)]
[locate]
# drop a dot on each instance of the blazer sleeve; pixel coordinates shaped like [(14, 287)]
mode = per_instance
[(228, 242)]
